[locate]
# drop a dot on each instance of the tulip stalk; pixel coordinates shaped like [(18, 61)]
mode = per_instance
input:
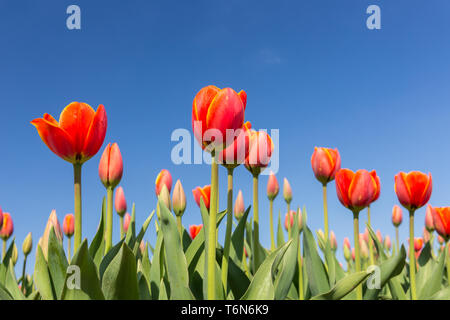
[(255, 223), (4, 249), (300, 271), (122, 232), (212, 228), (109, 218), (372, 259), (272, 237), (226, 249), (23, 271), (77, 211), (412, 256), (325, 210), (357, 254), (396, 239)]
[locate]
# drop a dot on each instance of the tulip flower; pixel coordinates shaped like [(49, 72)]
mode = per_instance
[(15, 254), (387, 242), (325, 163), (52, 222), (194, 230), (272, 191), (356, 190), (441, 222), (333, 241), (214, 113), (429, 224), (287, 192), (126, 222), (7, 230), (76, 138), (202, 193), (418, 244), (379, 236), (68, 228), (179, 205), (120, 203), (397, 217), (321, 239), (239, 207), (347, 243), (413, 191), (110, 170), (1, 216), (164, 178)]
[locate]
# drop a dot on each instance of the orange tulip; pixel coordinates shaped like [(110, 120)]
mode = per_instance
[(413, 189), (163, 178), (7, 227), (272, 187), (194, 230), (356, 190), (126, 222), (373, 173), (236, 153), (397, 215), (429, 224), (441, 220), (120, 202), (219, 110), (325, 163), (78, 135), (110, 168), (204, 193), (260, 152), (418, 244), (68, 225)]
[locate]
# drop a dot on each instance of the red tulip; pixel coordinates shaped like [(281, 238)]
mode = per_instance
[(68, 225), (204, 193), (292, 214), (110, 168), (272, 187), (217, 109), (119, 202), (1, 216), (418, 244), (260, 152), (163, 178), (413, 189), (126, 222), (7, 227), (194, 230), (397, 215), (356, 190), (441, 220), (239, 207), (236, 153), (78, 135), (429, 224), (373, 173), (325, 163)]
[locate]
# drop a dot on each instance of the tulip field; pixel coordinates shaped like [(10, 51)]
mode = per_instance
[(188, 262)]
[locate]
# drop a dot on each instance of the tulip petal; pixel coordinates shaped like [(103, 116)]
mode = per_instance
[(401, 189), (362, 189), (200, 107), (344, 178), (96, 133)]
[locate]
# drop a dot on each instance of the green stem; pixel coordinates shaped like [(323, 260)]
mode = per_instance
[(447, 246), (372, 258), (397, 249), (300, 272), (412, 256), (109, 219), (255, 224), (325, 210), (122, 232), (4, 249), (23, 271), (180, 229), (357, 256), (272, 237), (212, 229), (289, 220), (77, 198), (226, 249), (68, 249)]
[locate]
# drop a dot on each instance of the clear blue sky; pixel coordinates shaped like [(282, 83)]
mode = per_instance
[(310, 68)]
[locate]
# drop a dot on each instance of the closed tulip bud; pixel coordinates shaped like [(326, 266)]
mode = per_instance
[(353, 254), (347, 253), (325, 163), (1, 216), (194, 230), (178, 199), (426, 235), (110, 168), (272, 187), (7, 226), (69, 225), (440, 239), (347, 243), (333, 241), (418, 244), (364, 249), (142, 247), (126, 222), (119, 202), (321, 239), (27, 244), (287, 191), (397, 215), (387, 242), (413, 189), (52, 222), (379, 236), (15, 254), (429, 223), (164, 178), (164, 196), (239, 207)]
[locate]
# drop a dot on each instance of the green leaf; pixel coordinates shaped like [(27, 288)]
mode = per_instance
[(280, 234), (389, 268), (429, 277), (262, 287), (156, 271), (176, 261), (5, 261), (97, 247), (82, 281), (343, 286), (317, 275), (443, 294), (42, 278), (131, 232), (57, 263), (141, 234), (11, 283), (237, 239), (119, 281), (378, 245), (4, 294), (109, 257)]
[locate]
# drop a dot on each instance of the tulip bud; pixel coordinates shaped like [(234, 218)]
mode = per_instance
[(429, 223), (27, 244), (178, 199), (440, 239), (194, 230), (287, 191), (364, 249), (397, 215), (239, 207), (164, 196), (325, 163), (120, 202), (418, 244), (7, 226), (387, 242), (353, 254), (69, 225), (126, 222), (426, 235), (366, 235), (321, 239), (333, 241), (163, 178), (52, 222), (379, 236), (347, 242), (1, 216), (142, 247), (347, 253), (272, 187), (110, 168), (15, 254)]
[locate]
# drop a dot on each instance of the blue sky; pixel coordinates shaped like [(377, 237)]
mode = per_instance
[(310, 68)]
